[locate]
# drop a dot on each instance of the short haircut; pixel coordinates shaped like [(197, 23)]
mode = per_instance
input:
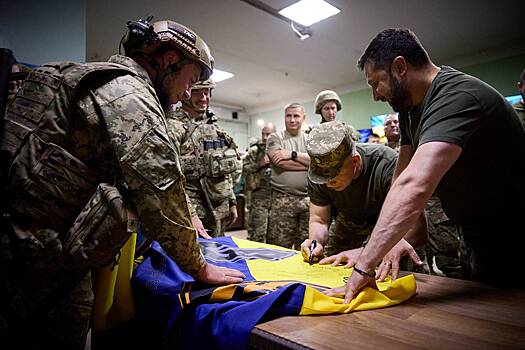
[(374, 135), (522, 76), (391, 43), (294, 105), (391, 115)]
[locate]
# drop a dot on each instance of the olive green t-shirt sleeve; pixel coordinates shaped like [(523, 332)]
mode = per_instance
[(316, 195), (451, 118)]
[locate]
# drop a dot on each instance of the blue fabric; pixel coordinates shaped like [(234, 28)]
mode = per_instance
[(363, 135), (158, 283)]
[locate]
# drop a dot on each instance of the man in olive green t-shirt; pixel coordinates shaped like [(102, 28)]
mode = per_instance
[(448, 120), (288, 224)]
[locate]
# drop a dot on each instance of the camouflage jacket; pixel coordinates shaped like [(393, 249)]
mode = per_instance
[(106, 126), (257, 177), (209, 157)]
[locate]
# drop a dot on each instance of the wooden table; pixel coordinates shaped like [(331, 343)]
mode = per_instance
[(445, 314)]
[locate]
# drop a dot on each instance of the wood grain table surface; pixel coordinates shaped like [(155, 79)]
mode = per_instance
[(445, 313)]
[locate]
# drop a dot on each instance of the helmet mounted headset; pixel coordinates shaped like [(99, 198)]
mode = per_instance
[(141, 34)]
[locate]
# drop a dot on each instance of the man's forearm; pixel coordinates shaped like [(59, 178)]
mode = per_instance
[(403, 205), (417, 235), (319, 232), (303, 158), (291, 165)]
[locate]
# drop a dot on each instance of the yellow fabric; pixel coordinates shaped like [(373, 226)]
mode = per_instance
[(325, 276), (112, 288), (114, 300), (389, 294)]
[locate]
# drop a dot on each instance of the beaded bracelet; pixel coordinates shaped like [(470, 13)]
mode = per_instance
[(363, 273)]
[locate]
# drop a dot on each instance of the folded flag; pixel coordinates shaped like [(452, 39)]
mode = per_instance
[(182, 312)]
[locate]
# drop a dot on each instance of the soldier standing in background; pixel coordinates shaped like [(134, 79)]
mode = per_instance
[(327, 104), (209, 159), (71, 127), (287, 152), (443, 237), (257, 170)]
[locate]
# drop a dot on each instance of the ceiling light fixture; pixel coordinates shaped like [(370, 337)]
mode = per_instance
[(302, 33), (299, 13), (308, 12), (220, 75)]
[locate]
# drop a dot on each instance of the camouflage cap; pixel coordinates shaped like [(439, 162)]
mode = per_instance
[(328, 145)]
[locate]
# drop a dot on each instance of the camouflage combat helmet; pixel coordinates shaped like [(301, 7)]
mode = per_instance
[(325, 96), (145, 37), (206, 84), (328, 145)]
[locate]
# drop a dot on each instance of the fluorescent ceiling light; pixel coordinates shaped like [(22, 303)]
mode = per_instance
[(220, 75), (308, 12)]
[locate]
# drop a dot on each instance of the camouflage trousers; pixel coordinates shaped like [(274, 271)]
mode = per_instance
[(443, 241), (442, 245), (288, 224), (345, 235), (216, 219), (259, 215), (42, 305)]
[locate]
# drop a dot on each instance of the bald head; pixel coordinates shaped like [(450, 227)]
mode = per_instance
[(266, 131)]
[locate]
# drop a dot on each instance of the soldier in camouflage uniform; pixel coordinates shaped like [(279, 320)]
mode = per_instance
[(443, 237), (355, 178), (257, 170), (519, 106), (327, 104), (209, 158), (73, 126)]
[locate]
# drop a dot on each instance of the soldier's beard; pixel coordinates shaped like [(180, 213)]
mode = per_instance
[(400, 100)]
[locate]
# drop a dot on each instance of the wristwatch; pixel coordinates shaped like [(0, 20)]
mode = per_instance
[(294, 155)]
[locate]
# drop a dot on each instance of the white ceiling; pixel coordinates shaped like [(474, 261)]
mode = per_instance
[(273, 67)]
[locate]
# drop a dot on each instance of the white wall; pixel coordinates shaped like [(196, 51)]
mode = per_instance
[(237, 128), (44, 31)]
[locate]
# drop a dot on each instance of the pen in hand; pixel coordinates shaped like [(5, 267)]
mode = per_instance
[(312, 247)]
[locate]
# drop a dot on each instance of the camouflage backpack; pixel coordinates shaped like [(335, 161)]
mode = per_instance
[(54, 180)]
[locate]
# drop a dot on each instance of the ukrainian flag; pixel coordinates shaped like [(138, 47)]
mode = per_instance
[(185, 313)]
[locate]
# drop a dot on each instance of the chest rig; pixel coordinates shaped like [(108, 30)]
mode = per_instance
[(207, 151)]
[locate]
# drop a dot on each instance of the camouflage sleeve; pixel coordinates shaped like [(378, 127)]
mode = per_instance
[(249, 163), (176, 131), (232, 196), (191, 207), (137, 131)]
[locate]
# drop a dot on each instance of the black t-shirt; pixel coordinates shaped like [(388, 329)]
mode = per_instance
[(361, 201), (487, 179)]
